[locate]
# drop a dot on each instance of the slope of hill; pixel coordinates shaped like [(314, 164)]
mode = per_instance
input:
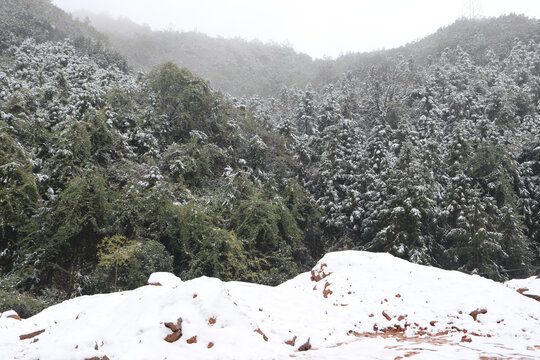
[(351, 303), (247, 68), (236, 66), (178, 176), (38, 19), (474, 36)]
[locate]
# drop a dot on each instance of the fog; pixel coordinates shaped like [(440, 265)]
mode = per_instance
[(316, 27)]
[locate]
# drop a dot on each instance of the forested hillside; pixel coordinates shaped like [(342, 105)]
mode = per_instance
[(108, 175), (239, 67), (437, 164), (105, 173), (235, 66)]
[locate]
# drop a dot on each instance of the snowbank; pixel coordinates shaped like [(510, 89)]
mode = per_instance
[(164, 279), (529, 287), (351, 303)]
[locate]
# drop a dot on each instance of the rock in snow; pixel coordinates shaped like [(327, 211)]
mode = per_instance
[(351, 305)]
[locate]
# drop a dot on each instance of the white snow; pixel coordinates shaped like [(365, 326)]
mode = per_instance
[(5, 314), (345, 306), (164, 279), (530, 285)]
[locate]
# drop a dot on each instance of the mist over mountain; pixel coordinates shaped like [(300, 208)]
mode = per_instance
[(235, 66), (241, 67)]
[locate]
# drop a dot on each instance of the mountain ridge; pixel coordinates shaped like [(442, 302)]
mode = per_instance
[(266, 67)]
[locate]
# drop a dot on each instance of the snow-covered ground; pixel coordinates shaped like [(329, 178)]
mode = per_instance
[(353, 305)]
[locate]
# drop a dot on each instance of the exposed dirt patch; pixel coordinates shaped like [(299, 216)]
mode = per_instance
[(477, 312), (327, 291), (465, 338), (259, 331), (192, 340), (291, 342), (305, 346), (176, 330), (175, 336), (398, 334), (319, 274), (535, 297), (412, 353), (31, 335)]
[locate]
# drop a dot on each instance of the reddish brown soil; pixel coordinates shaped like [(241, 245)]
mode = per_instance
[(477, 312), (31, 335), (192, 340), (291, 342), (259, 331)]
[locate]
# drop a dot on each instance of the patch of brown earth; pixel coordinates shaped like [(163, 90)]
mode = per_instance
[(477, 312), (535, 297), (465, 338), (397, 332), (327, 291), (210, 345), (306, 346), (175, 336), (192, 340), (259, 331), (317, 275), (176, 330), (386, 316), (31, 335), (412, 353), (291, 342), (212, 321)]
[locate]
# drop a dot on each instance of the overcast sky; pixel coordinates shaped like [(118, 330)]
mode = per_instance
[(315, 27)]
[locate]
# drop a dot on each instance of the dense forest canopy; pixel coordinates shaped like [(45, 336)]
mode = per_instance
[(429, 153)]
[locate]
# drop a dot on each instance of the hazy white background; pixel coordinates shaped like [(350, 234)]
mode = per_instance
[(315, 27)]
